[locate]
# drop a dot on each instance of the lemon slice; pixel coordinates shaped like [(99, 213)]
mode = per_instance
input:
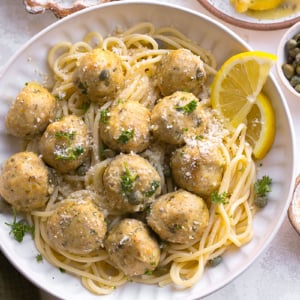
[(238, 83), (243, 5), (261, 126), (265, 4)]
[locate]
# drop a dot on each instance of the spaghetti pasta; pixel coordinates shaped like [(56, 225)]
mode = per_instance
[(140, 48)]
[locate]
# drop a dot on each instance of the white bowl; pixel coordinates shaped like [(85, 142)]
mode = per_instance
[(30, 63), (281, 57)]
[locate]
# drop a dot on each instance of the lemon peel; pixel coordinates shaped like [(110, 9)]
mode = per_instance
[(261, 126), (242, 6)]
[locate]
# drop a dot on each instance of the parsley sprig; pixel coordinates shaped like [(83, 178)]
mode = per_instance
[(154, 186), (69, 153), (262, 187), (126, 136), (127, 181), (19, 228)]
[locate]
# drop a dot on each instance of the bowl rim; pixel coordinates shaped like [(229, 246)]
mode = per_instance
[(281, 56), (291, 210)]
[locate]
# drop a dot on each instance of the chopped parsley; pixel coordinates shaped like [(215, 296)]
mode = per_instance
[(65, 135), (176, 227), (199, 137), (104, 116), (219, 198), (19, 228), (154, 186), (125, 136), (127, 181), (69, 153), (148, 272), (188, 108)]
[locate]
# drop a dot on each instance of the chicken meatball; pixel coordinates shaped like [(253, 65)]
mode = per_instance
[(198, 167), (130, 183), (77, 225), (179, 217), (180, 70), (131, 248), (31, 112), (177, 117), (125, 127), (65, 144), (25, 181), (99, 75)]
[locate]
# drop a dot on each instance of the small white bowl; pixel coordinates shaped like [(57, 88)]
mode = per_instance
[(281, 56), (294, 208)]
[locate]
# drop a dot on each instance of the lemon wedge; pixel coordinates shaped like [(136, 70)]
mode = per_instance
[(238, 83), (243, 5), (261, 126)]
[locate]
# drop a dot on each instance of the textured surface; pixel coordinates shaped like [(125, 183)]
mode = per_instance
[(275, 274), (60, 8)]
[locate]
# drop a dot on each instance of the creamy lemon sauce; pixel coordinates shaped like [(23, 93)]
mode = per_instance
[(285, 9)]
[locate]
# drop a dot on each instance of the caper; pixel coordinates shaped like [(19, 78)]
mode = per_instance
[(295, 80), (104, 75), (290, 44), (199, 74), (108, 153), (261, 201), (81, 170), (288, 70), (291, 68), (133, 198), (297, 37), (297, 88), (297, 58), (293, 52), (215, 261)]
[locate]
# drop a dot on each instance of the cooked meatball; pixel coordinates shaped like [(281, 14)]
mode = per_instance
[(24, 181), (131, 247), (178, 116), (130, 183), (99, 75), (180, 70), (179, 217), (77, 225), (125, 127), (198, 167), (31, 112), (65, 144)]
